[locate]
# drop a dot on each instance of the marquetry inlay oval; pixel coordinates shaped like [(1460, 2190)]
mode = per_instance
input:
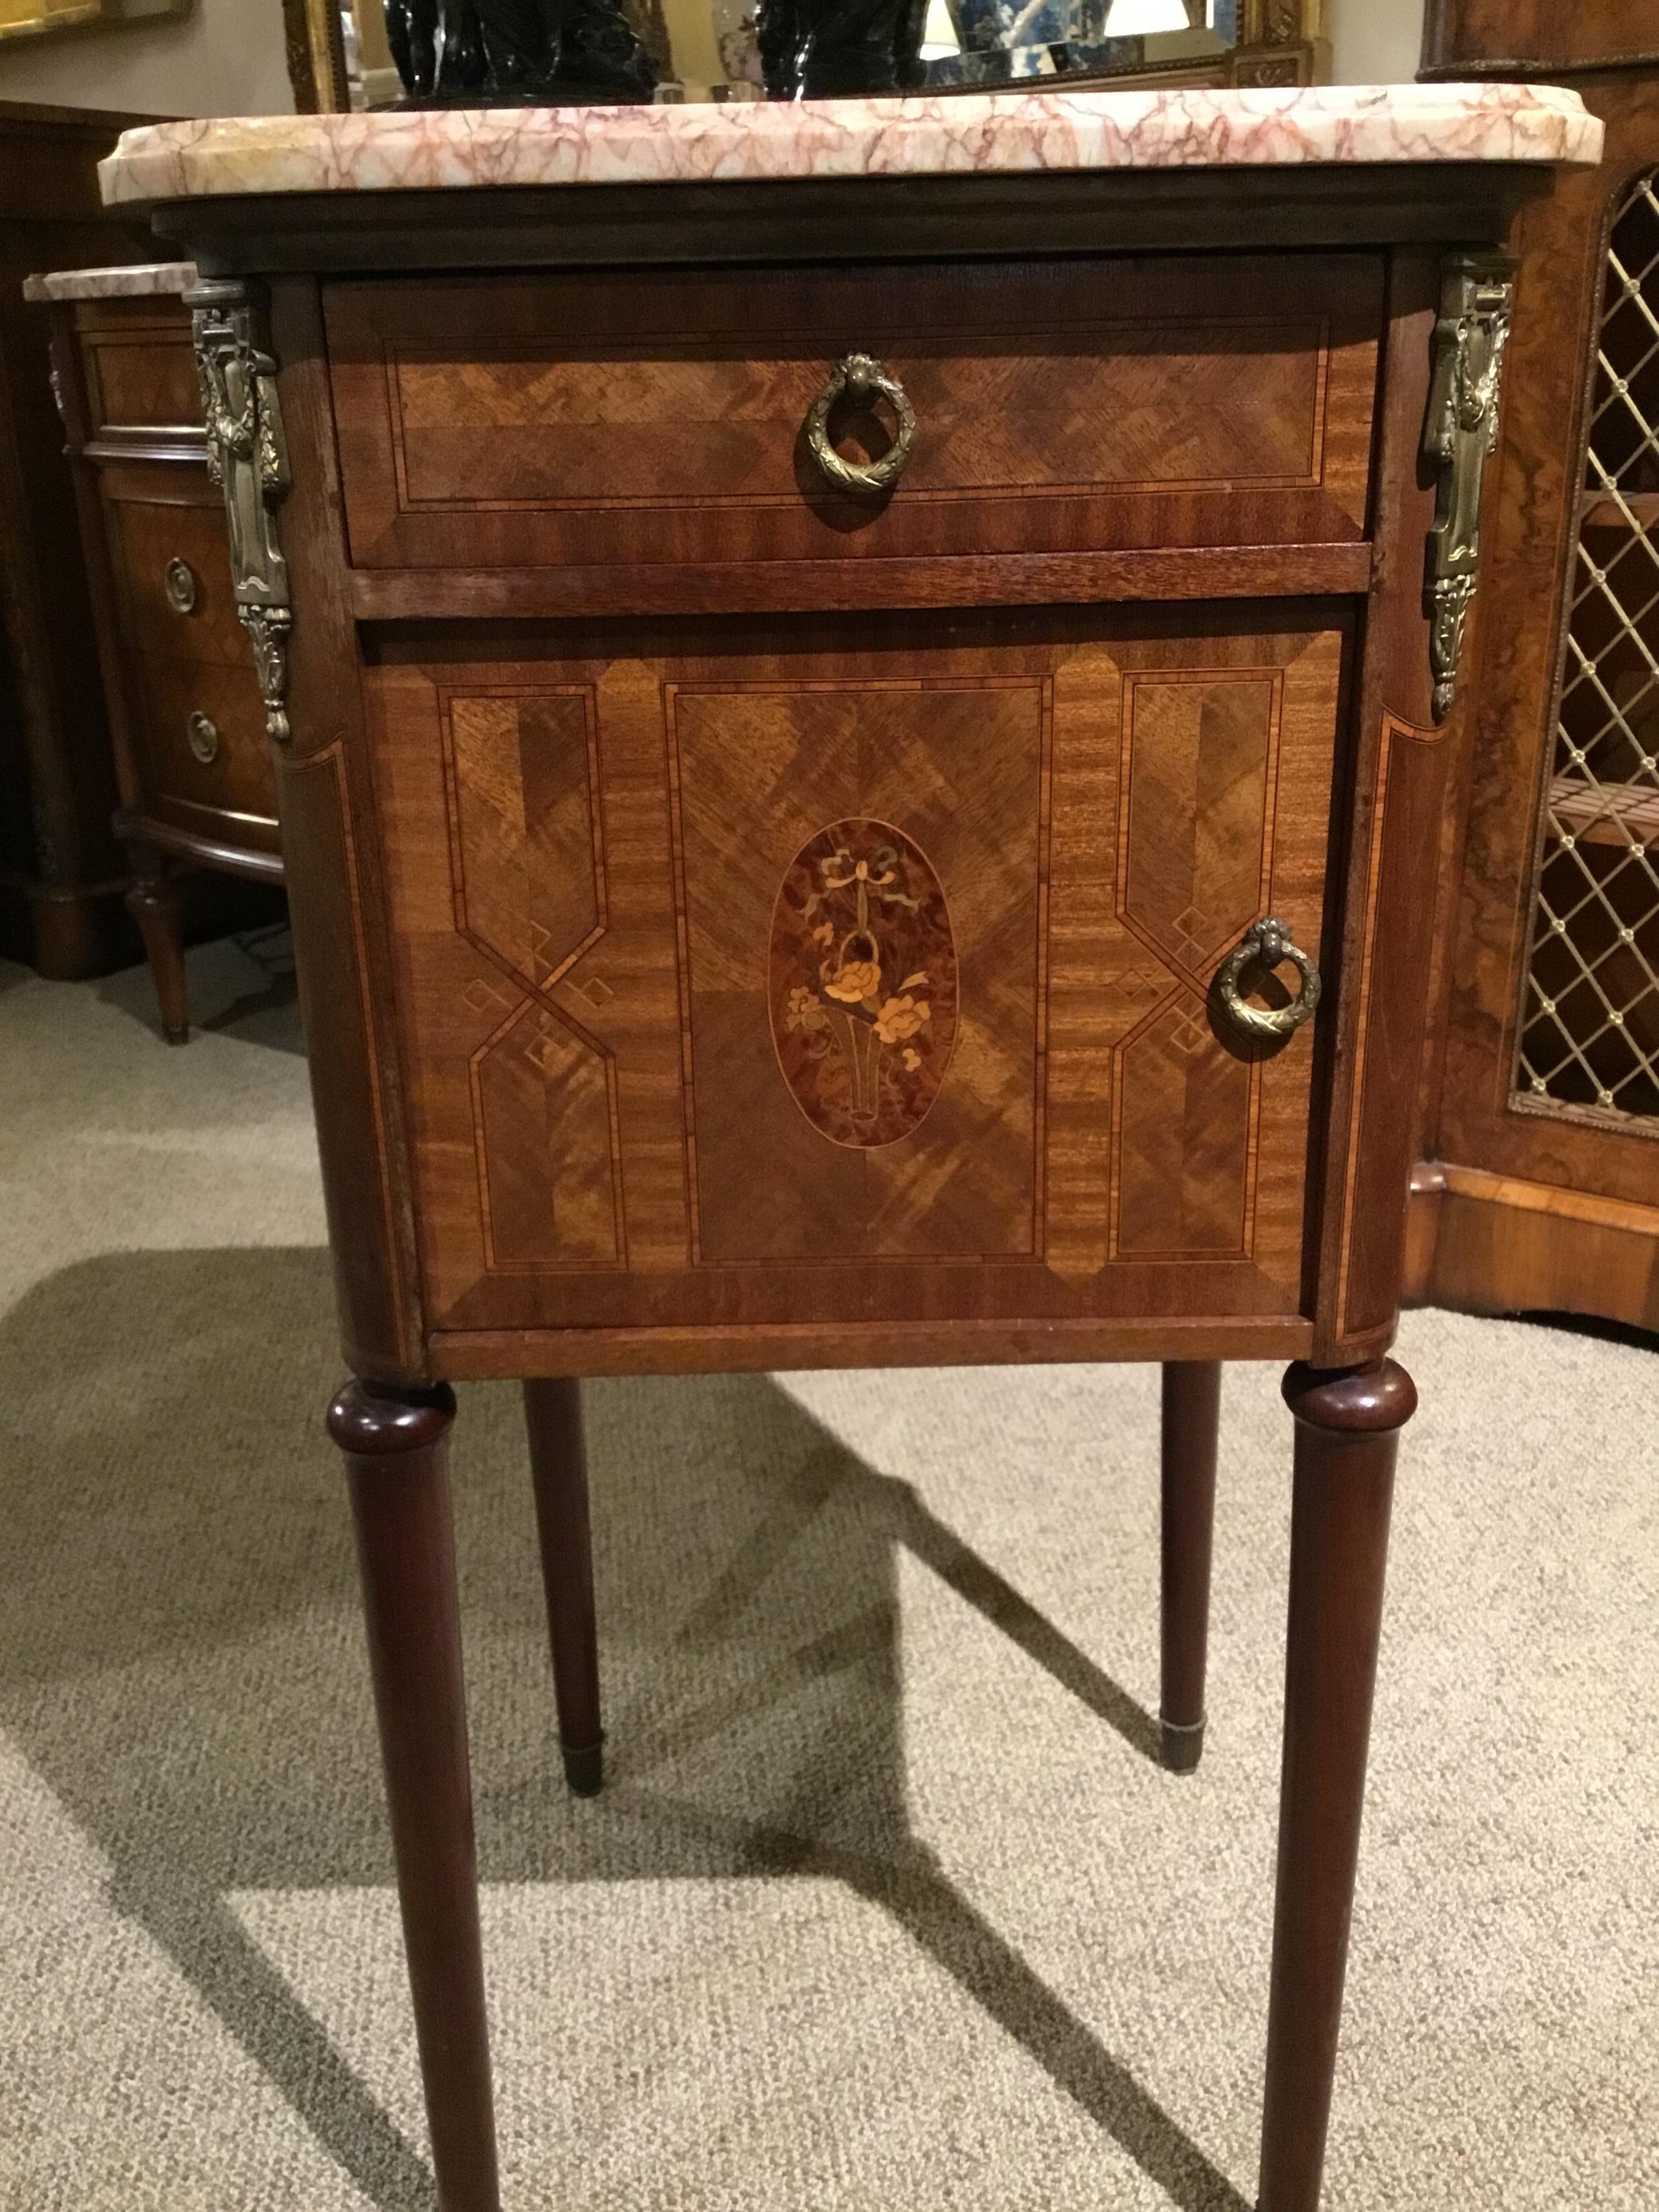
[(863, 982)]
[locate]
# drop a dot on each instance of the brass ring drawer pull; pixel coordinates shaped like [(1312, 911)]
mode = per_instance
[(861, 380), (1265, 944), (181, 587), (204, 736)]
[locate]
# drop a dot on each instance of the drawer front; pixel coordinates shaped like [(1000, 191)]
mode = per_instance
[(651, 418), (792, 973), (140, 366), (201, 755)]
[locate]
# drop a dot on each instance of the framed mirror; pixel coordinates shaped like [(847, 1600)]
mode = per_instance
[(340, 55)]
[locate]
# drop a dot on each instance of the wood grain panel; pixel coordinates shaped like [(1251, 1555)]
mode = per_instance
[(958, 770), (143, 375), (1061, 408), (1090, 1149), (234, 794), (527, 857), (1535, 37), (147, 532)]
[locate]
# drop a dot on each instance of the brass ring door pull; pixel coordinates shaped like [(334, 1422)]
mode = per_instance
[(202, 736), (1265, 944), (861, 380)]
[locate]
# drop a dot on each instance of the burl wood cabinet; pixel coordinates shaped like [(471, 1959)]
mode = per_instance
[(1539, 1182), (857, 761), (193, 769)]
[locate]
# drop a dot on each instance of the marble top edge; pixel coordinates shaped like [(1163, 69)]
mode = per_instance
[(444, 148), (135, 280)]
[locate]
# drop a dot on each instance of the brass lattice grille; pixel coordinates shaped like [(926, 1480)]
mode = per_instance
[(1589, 1037)]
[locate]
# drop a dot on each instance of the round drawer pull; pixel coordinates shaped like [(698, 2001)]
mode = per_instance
[(1265, 944), (860, 379), (204, 736), (181, 587)]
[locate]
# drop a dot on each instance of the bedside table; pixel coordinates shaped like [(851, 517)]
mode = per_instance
[(858, 748)]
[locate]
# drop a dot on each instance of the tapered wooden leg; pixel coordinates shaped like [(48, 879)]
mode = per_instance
[(1192, 1417), (151, 900), (1347, 1425), (558, 1471), (395, 1442)]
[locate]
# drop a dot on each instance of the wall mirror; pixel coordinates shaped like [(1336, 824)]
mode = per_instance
[(341, 53)]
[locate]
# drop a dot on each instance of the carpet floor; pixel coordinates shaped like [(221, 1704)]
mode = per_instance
[(884, 1902)]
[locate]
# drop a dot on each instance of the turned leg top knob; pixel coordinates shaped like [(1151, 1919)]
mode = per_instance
[(1355, 1402), (373, 1418)]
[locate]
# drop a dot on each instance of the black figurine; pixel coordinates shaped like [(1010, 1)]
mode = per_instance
[(839, 49), (453, 53)]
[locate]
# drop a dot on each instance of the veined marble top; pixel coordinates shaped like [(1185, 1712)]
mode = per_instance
[(135, 280), (913, 136)]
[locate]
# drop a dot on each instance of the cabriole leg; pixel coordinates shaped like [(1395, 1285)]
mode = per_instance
[(395, 1442), (1347, 1425), (1192, 1417), (558, 1472)]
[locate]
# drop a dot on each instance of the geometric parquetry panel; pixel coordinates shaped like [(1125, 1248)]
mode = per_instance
[(1182, 1151), (1199, 760), (526, 806), (544, 1113), (528, 890)]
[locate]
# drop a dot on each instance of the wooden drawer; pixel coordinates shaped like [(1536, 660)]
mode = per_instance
[(656, 418), (187, 656), (625, 866), (159, 523), (139, 365)]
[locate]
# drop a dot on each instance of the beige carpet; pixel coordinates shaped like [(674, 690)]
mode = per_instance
[(884, 1905)]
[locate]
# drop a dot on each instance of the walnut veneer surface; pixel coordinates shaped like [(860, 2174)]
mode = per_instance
[(747, 921)]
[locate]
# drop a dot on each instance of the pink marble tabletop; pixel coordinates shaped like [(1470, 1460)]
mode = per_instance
[(917, 136), (135, 280)]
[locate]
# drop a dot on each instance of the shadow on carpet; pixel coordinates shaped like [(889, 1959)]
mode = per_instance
[(180, 1660)]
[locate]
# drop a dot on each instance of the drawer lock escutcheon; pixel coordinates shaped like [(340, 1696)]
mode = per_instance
[(860, 380), (204, 736), (181, 587), (1266, 945)]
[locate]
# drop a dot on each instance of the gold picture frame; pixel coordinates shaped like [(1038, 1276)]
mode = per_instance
[(42, 19)]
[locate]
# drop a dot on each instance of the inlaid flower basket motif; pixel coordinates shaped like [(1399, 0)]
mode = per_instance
[(863, 982)]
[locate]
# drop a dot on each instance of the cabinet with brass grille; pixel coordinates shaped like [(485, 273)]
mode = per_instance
[(1539, 1189)]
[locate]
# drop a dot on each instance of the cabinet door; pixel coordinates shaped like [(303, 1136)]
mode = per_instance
[(813, 972)]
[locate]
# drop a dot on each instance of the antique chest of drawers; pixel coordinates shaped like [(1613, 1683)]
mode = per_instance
[(197, 784), (858, 750)]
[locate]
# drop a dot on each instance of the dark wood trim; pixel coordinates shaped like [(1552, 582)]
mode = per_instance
[(205, 852), (851, 219), (493, 1355), (833, 587), (1495, 1244), (1513, 69), (1382, 957), (325, 796)]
